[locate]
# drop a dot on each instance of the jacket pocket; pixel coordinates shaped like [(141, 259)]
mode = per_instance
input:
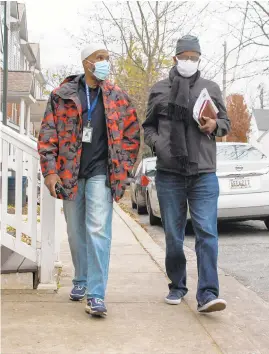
[(115, 128)]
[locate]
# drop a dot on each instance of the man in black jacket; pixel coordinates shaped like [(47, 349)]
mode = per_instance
[(186, 171)]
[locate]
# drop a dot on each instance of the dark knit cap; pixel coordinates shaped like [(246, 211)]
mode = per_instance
[(188, 43)]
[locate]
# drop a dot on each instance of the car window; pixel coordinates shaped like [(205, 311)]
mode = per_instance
[(239, 153), (249, 153), (150, 168)]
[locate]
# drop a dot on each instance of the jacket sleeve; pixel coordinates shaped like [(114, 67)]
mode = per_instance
[(151, 123), (48, 141), (131, 136), (223, 122)]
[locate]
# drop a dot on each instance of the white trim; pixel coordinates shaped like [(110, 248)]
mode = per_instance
[(28, 120), (22, 115), (23, 143), (44, 250)]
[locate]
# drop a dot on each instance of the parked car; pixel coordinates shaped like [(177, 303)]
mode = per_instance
[(139, 181), (243, 172)]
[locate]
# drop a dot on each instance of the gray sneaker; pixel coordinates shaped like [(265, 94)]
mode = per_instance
[(213, 306), (174, 297)]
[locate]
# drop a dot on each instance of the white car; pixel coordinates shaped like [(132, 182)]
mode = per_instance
[(243, 173)]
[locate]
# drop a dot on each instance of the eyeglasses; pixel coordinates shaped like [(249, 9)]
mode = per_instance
[(188, 57)]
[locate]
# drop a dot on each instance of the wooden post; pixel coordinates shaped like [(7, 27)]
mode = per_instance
[(22, 116), (48, 239), (28, 120), (59, 231)]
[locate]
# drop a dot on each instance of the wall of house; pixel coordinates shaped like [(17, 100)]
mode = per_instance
[(14, 60), (1, 32)]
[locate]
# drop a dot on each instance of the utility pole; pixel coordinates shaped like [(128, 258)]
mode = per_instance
[(224, 82), (5, 64)]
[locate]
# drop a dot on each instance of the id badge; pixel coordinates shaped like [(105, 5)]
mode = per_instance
[(87, 134)]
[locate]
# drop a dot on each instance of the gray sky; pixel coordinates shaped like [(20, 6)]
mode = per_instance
[(48, 22), (51, 22)]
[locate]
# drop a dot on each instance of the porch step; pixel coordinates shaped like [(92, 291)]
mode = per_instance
[(17, 272), (17, 281)]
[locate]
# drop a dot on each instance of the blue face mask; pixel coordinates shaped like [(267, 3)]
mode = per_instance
[(102, 69)]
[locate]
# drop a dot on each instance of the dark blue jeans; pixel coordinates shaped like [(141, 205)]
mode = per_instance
[(200, 193)]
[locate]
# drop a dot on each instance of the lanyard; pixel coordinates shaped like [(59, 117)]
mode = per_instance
[(91, 108)]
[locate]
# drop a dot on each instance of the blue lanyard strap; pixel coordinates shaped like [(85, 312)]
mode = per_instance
[(91, 107)]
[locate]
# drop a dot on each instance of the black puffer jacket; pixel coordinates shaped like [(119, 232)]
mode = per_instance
[(157, 126)]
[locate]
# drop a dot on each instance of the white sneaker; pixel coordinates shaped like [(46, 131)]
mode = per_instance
[(213, 306)]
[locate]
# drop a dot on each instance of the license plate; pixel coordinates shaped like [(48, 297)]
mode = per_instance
[(240, 183)]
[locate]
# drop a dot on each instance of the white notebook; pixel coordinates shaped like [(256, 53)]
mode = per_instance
[(203, 100)]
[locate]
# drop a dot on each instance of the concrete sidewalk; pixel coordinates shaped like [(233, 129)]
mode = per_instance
[(138, 319)]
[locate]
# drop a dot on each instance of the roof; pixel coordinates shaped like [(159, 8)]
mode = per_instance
[(21, 8), (36, 52), (19, 81), (262, 118), (35, 48)]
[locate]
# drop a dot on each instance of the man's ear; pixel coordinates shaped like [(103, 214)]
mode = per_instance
[(175, 60)]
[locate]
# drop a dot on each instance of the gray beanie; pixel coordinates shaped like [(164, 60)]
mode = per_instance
[(188, 43)]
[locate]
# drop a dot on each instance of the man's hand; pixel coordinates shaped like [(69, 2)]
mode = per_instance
[(208, 125), (50, 182)]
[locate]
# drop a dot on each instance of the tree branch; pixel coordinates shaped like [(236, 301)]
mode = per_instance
[(123, 37), (144, 25), (261, 7)]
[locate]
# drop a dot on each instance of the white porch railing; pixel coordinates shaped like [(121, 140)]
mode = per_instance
[(31, 235)]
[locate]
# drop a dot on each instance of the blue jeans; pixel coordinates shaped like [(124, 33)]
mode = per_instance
[(200, 193), (89, 228)]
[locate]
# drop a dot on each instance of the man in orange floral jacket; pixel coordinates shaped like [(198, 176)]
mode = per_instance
[(89, 140)]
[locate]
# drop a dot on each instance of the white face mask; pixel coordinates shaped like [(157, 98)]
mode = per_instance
[(187, 68)]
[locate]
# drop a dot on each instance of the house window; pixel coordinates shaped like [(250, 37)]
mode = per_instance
[(14, 51), (14, 113)]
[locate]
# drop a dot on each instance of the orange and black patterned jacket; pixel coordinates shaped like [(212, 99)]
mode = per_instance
[(60, 139)]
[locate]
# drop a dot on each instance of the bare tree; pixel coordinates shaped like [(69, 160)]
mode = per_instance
[(55, 76), (248, 24), (143, 35)]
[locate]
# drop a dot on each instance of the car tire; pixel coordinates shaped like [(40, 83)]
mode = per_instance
[(266, 221), (153, 220), (134, 206), (140, 209)]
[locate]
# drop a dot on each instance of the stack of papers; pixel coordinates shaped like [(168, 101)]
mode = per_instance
[(204, 107)]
